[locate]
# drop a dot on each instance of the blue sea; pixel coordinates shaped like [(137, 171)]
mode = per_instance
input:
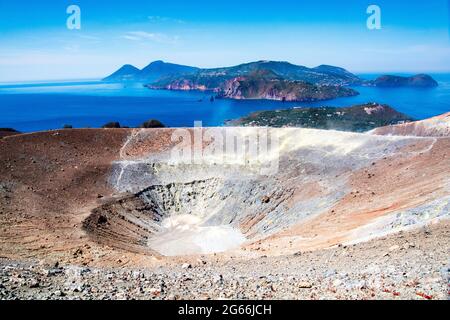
[(42, 106)]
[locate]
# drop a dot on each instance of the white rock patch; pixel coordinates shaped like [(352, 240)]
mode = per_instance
[(185, 234)]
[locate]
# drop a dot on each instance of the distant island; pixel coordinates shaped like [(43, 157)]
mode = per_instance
[(163, 74), (270, 80), (359, 118), (273, 80), (153, 72), (417, 81)]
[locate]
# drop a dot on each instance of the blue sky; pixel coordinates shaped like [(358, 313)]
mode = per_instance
[(35, 43)]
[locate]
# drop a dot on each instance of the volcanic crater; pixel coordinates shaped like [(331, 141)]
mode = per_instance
[(107, 213), (117, 193), (186, 209)]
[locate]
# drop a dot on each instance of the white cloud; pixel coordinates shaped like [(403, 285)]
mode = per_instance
[(157, 19), (89, 37), (133, 38), (149, 36)]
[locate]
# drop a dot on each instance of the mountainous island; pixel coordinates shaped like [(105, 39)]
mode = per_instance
[(274, 80), (359, 118), (160, 73), (265, 84)]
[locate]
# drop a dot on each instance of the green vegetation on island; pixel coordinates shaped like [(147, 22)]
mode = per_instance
[(359, 118)]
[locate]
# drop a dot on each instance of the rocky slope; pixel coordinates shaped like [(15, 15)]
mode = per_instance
[(4, 132), (435, 127), (358, 118), (264, 84), (259, 84), (408, 265)]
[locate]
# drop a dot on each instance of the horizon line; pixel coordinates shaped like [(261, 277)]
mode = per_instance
[(100, 78)]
